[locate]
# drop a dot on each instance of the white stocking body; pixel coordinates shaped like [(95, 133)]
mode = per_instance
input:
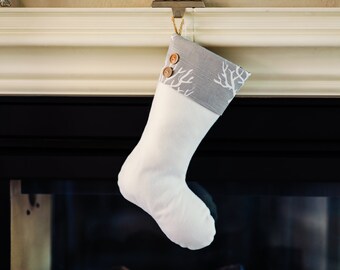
[(153, 175)]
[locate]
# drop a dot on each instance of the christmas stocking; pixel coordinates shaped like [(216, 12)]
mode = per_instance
[(194, 89)]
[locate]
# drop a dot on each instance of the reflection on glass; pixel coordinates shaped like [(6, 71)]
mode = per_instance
[(253, 232)]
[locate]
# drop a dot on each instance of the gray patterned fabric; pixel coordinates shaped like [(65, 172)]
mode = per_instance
[(202, 75)]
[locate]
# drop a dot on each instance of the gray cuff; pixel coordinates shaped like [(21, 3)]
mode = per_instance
[(202, 75)]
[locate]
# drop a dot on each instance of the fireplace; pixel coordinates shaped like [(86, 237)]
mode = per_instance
[(271, 165), (74, 101)]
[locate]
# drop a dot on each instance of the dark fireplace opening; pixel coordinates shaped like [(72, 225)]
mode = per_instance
[(270, 164), (95, 229)]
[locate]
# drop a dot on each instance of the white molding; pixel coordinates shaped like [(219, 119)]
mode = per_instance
[(151, 27), (268, 27), (85, 27), (115, 51)]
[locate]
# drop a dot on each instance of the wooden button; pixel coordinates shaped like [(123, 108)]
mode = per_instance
[(174, 58), (167, 72)]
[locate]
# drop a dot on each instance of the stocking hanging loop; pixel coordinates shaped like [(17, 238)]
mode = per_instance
[(177, 31)]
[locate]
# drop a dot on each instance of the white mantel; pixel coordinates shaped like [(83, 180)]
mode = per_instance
[(117, 51)]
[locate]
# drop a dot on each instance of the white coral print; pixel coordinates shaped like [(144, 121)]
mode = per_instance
[(238, 76), (180, 80)]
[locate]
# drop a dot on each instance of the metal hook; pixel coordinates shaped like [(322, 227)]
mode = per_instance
[(179, 6)]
